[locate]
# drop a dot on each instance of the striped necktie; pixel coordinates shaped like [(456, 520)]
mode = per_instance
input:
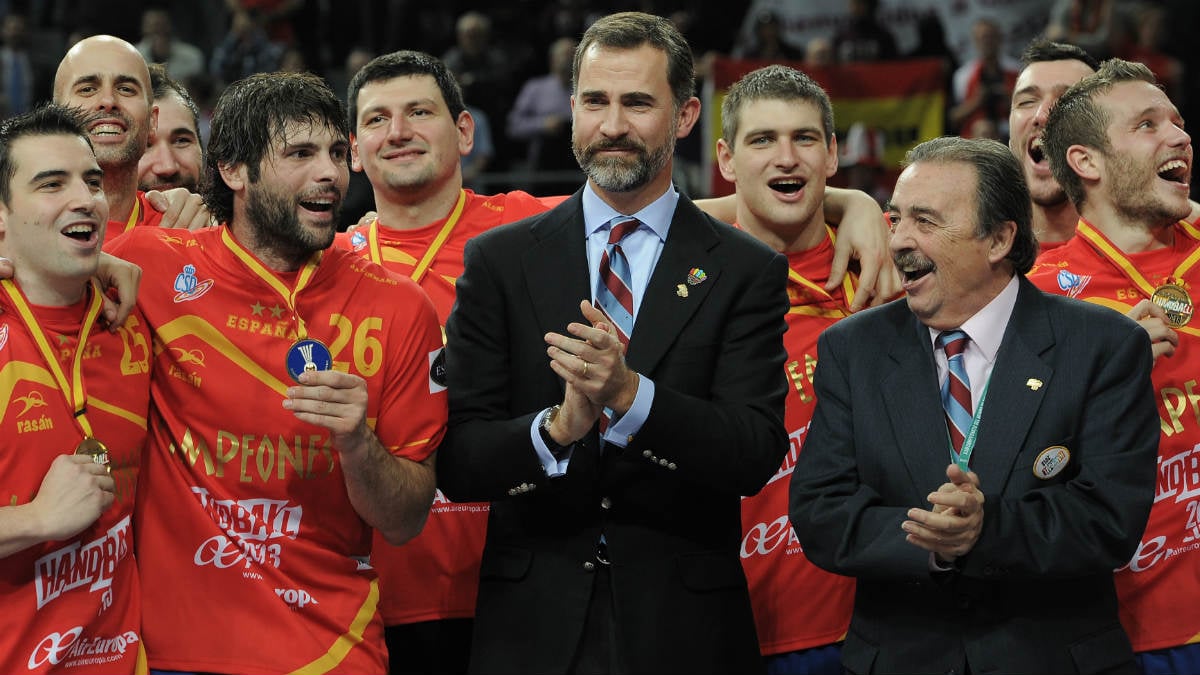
[(956, 390), (614, 293)]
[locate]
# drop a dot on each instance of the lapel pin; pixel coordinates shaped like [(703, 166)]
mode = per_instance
[(696, 276), (681, 291), (1033, 383)]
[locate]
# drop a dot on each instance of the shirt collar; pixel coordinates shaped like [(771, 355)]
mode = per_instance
[(657, 215), (986, 327)]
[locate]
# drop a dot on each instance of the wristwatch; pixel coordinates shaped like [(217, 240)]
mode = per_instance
[(556, 449)]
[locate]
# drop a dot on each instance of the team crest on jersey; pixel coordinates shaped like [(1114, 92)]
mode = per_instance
[(1072, 284), (358, 241), (188, 287)]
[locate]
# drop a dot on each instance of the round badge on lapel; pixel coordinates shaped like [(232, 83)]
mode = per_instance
[(1051, 461)]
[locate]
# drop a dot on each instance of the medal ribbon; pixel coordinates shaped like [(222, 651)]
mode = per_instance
[(72, 389), (1106, 249), (963, 458), (847, 285), (288, 295), (418, 272)]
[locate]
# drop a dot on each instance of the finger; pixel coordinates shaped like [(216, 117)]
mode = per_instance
[(841, 262), (957, 475), (887, 284), (565, 344), (158, 200), (592, 313)]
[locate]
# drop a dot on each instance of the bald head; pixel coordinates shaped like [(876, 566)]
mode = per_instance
[(108, 79)]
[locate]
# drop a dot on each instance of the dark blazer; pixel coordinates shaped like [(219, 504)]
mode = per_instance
[(668, 503), (1036, 592)]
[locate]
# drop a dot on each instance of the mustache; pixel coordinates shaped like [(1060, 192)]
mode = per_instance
[(912, 259), (614, 144)]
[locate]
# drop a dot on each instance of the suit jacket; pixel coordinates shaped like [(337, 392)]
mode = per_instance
[(1036, 593), (668, 503)]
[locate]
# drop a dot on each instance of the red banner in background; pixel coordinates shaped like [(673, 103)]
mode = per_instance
[(895, 105)]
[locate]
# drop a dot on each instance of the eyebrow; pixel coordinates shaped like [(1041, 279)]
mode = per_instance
[(63, 173)]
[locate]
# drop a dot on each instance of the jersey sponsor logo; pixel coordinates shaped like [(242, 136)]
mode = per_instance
[(70, 649), (1179, 477), (437, 370), (30, 401), (188, 287), (1070, 283), (765, 538), (92, 564), (42, 423), (249, 525), (188, 355), (795, 441), (296, 598)]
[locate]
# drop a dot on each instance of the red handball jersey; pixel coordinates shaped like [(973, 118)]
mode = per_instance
[(445, 556), (255, 561), (796, 604), (143, 214), (1159, 589), (71, 606)]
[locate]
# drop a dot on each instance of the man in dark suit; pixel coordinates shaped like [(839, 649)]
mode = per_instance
[(1010, 568), (615, 472)]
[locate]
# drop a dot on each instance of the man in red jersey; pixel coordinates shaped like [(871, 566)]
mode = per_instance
[(1117, 147), (296, 404), (74, 416), (108, 79), (777, 132), (174, 155), (410, 129)]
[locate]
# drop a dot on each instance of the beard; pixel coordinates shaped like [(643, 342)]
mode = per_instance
[(622, 174), (127, 154), (1131, 198), (278, 227)]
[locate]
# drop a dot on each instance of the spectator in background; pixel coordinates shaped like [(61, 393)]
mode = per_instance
[(183, 61), (983, 86), (819, 53), (1083, 23), (244, 51), (1140, 38), (768, 44), (483, 69), (18, 77), (541, 118), (293, 61), (275, 16), (864, 38)]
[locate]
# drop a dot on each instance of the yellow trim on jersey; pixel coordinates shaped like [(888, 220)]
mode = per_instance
[(418, 272), (118, 412), (818, 311), (268, 276), (191, 324), (1117, 257), (346, 641)]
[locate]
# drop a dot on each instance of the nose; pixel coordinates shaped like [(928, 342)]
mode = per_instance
[(83, 198), (1042, 112), (159, 160), (399, 129), (899, 238), (787, 155), (330, 169), (1181, 138), (614, 124)]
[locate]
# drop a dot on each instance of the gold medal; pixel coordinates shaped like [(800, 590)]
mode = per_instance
[(93, 447), (1176, 302)]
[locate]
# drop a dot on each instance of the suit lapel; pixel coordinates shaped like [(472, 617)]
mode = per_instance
[(914, 408), (1018, 384), (691, 243), (556, 267)]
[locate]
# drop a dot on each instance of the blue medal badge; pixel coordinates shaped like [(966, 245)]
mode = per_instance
[(308, 354)]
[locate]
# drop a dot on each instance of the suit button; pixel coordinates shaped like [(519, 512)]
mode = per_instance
[(663, 462), (605, 503), (512, 492), (647, 453), (671, 466), (589, 566)]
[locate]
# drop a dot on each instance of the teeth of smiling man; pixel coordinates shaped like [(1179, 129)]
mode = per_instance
[(106, 129), (82, 228)]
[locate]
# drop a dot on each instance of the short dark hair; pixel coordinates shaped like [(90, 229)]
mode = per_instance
[(773, 83), (1001, 194), (161, 86), (254, 112), (1042, 50), (50, 119), (630, 30), (1077, 120), (405, 63)]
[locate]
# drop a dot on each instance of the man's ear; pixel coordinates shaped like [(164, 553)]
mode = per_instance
[(234, 175), (1084, 161), (1002, 241)]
